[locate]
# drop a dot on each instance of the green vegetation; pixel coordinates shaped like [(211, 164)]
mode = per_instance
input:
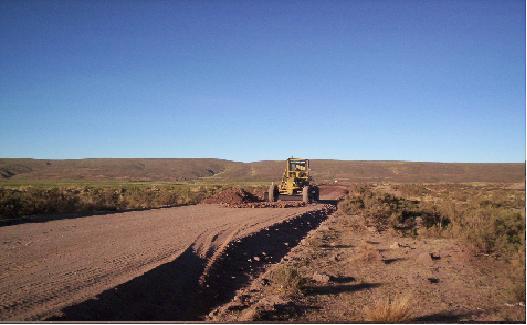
[(17, 200)]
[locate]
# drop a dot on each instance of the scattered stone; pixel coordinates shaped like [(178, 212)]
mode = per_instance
[(433, 280), (322, 278), (435, 256), (256, 258), (213, 313), (238, 306)]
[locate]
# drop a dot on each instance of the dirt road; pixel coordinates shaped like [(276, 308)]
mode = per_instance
[(45, 267)]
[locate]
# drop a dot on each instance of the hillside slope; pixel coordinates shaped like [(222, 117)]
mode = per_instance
[(221, 170), (104, 169)]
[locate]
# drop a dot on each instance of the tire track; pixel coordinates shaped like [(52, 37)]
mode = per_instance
[(69, 262)]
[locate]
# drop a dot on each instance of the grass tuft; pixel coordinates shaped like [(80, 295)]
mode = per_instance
[(288, 280), (390, 311)]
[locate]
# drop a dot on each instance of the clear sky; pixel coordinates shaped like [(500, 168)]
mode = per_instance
[(249, 80)]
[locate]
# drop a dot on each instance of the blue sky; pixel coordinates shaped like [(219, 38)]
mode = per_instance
[(250, 80)]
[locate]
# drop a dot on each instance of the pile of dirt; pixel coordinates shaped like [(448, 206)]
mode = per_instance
[(279, 204), (232, 196)]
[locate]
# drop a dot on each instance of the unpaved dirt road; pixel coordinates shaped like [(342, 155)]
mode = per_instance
[(45, 267)]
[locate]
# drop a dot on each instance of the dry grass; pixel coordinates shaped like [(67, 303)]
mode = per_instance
[(491, 218), (17, 202), (287, 280), (390, 311)]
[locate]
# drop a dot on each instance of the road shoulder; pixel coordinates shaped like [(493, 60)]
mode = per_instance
[(350, 272)]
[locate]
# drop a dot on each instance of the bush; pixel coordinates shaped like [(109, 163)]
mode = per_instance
[(25, 201), (491, 219), (288, 280), (379, 208), (390, 311)]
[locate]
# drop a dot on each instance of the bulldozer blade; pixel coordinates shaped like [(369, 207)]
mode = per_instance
[(284, 197)]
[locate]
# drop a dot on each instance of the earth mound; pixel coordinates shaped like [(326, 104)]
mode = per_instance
[(232, 196)]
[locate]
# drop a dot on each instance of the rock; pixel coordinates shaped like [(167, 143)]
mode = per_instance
[(214, 313), (322, 278), (237, 306), (435, 256), (394, 245), (256, 258), (433, 280), (419, 221)]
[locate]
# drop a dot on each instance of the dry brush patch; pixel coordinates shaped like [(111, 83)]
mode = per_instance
[(488, 218), (20, 201), (395, 310), (288, 280)]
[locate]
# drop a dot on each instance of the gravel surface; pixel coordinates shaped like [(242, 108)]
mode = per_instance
[(45, 267)]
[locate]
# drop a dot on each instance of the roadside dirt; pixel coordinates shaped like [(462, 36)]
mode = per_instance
[(350, 267), (141, 265)]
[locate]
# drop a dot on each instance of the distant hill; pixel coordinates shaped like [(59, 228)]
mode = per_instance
[(103, 169), (221, 170)]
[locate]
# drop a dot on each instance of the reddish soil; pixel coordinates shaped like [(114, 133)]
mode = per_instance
[(141, 265), (278, 204), (232, 196), (332, 192)]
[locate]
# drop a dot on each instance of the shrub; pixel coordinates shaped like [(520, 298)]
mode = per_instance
[(490, 218), (288, 280), (390, 311), (28, 200)]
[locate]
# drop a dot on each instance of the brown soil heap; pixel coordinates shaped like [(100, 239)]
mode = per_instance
[(232, 196), (279, 204)]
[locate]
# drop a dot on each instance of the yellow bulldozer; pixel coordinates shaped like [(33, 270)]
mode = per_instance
[(295, 184)]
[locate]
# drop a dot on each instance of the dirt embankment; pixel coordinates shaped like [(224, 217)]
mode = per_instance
[(141, 265), (240, 198), (348, 271), (232, 196)]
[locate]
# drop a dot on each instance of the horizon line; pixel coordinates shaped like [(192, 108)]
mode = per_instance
[(262, 160)]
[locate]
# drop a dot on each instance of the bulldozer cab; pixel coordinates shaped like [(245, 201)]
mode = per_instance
[(295, 177)]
